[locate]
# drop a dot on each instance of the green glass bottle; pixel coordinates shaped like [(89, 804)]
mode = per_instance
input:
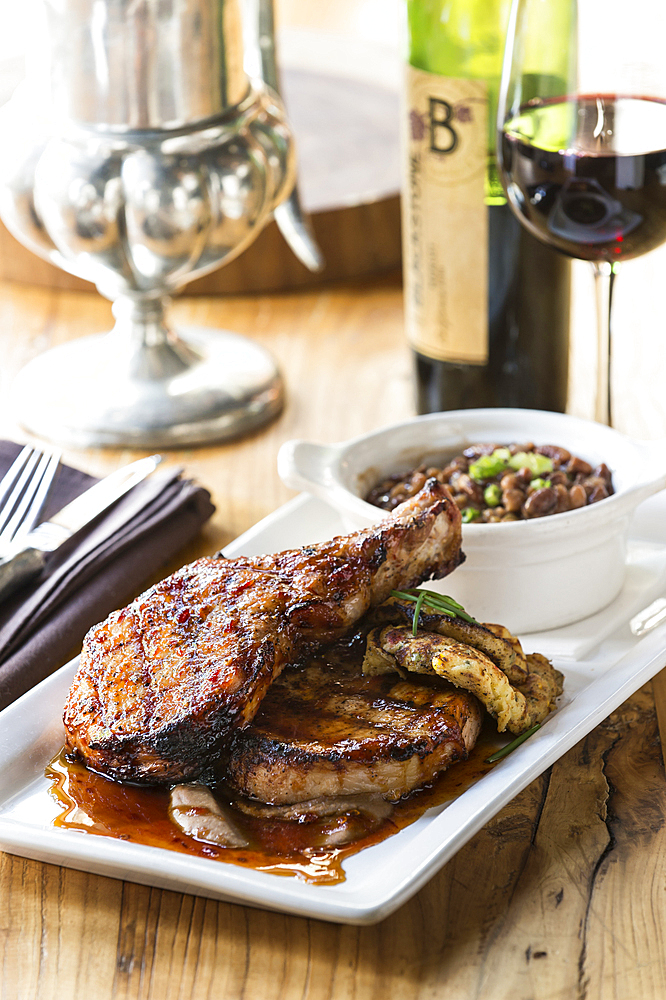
[(487, 305)]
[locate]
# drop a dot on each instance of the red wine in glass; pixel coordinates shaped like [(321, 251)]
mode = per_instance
[(587, 174)]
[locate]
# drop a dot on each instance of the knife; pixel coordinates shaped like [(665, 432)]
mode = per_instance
[(27, 558)]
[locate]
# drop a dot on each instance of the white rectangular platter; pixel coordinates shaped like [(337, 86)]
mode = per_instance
[(380, 878)]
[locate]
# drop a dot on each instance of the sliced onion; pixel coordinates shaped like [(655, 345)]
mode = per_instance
[(314, 809), (194, 810)]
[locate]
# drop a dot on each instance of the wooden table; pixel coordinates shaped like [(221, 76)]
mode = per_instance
[(562, 895)]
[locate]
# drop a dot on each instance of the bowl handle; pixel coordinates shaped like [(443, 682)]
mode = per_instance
[(655, 452), (637, 494), (303, 465)]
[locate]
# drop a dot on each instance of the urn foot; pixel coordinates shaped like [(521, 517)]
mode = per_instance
[(195, 386)]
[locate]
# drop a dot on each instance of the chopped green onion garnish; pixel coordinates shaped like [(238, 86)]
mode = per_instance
[(492, 494), (540, 484), (532, 460), (512, 746), (487, 466)]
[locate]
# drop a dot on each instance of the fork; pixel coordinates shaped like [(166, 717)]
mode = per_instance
[(23, 491)]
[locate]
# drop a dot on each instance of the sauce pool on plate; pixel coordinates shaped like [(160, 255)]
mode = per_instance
[(96, 805)]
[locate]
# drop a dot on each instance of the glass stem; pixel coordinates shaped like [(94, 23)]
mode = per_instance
[(604, 277)]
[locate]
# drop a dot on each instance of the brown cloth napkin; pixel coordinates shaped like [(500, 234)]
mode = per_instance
[(95, 572)]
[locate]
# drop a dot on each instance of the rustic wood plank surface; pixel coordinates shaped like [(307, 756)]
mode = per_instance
[(561, 895)]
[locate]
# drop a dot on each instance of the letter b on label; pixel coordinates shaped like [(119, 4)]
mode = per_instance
[(443, 137)]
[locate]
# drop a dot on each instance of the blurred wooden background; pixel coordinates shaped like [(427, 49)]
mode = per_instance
[(351, 50)]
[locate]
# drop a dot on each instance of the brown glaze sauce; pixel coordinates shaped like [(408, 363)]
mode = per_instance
[(97, 805)]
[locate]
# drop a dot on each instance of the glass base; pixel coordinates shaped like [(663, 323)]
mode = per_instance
[(197, 387)]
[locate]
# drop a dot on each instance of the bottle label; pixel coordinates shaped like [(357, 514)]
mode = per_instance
[(445, 219)]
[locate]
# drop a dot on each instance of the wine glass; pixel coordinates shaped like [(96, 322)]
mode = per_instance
[(582, 137)]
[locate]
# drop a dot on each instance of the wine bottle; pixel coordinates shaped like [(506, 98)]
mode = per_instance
[(486, 304)]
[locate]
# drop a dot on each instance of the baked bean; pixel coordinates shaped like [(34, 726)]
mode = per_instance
[(560, 456), (591, 483), (487, 485), (576, 465), (509, 481), (513, 500), (524, 476), (599, 492), (516, 448), (540, 502), (563, 498), (415, 484), (468, 486), (577, 496), (475, 450)]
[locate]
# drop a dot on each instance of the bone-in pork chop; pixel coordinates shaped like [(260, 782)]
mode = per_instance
[(325, 732), (163, 682)]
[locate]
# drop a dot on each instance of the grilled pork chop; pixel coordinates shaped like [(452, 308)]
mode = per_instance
[(330, 731), (163, 682)]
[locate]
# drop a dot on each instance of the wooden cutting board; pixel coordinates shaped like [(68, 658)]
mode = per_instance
[(349, 169)]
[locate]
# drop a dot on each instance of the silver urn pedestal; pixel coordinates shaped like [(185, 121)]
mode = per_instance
[(139, 155)]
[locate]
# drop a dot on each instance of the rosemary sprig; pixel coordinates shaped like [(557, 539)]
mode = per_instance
[(417, 611), (439, 603), (512, 746)]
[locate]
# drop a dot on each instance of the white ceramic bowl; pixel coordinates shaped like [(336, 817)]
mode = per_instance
[(528, 575)]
